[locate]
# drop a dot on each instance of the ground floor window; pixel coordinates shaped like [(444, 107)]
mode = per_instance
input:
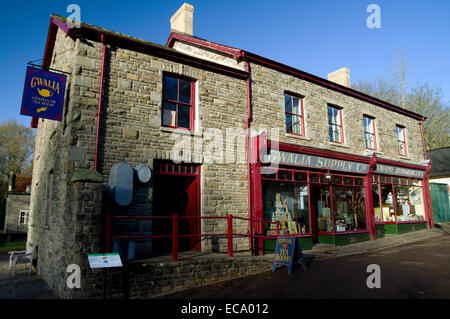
[(349, 208), (286, 203), (397, 199)]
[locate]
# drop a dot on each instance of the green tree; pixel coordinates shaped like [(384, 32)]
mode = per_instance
[(16, 149)]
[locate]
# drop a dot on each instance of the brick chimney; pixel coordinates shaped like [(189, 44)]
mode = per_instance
[(182, 20), (341, 76)]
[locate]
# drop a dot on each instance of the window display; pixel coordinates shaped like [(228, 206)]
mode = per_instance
[(349, 209), (376, 203), (387, 203), (409, 204), (288, 204)]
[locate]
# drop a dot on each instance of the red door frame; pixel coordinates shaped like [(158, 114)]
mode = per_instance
[(162, 168)]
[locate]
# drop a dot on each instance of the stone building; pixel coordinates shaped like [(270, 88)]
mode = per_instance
[(17, 204), (221, 131)]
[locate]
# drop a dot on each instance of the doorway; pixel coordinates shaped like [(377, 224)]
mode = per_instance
[(176, 194)]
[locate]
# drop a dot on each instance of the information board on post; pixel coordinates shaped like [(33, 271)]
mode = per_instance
[(104, 260)]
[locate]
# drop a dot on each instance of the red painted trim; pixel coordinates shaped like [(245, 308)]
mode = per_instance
[(374, 133), (48, 53), (248, 146), (423, 139), (99, 108)]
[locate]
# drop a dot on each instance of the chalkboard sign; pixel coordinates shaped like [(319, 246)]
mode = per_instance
[(286, 253)]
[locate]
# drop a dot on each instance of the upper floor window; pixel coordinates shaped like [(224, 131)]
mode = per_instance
[(178, 103), (335, 127), (369, 133), (401, 140), (295, 123)]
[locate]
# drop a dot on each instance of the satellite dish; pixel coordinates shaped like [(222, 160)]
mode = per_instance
[(144, 173)]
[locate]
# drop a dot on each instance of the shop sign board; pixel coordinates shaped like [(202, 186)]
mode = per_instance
[(398, 171), (43, 94), (104, 260), (297, 159), (286, 254)]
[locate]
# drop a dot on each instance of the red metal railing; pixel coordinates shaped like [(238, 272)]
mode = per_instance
[(175, 231)]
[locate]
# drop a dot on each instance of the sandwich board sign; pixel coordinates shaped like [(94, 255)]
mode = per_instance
[(286, 254), (104, 260)]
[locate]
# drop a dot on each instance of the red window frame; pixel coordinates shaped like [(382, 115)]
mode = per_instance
[(401, 142), (292, 114), (339, 126), (366, 133), (178, 102)]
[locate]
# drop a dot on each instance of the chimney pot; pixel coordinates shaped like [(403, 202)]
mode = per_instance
[(341, 76), (182, 20)]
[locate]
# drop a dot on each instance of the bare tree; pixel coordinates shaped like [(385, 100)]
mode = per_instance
[(422, 99)]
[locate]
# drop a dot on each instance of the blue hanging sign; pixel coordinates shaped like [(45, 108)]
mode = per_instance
[(43, 94)]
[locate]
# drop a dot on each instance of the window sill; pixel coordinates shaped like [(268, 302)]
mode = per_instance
[(339, 145), (404, 157), (179, 131), (300, 137)]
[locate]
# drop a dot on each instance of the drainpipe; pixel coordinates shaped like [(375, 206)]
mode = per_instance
[(249, 178), (423, 139), (100, 98)]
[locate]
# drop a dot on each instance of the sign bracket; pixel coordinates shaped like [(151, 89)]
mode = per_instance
[(56, 70)]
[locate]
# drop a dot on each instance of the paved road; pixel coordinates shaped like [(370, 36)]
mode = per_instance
[(416, 270)]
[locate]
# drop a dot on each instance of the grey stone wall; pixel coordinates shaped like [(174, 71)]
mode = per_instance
[(269, 87), (14, 204)]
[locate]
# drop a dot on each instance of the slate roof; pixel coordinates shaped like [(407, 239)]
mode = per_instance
[(440, 162)]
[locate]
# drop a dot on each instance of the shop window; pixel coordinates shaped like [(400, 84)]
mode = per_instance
[(294, 115), (314, 178), (178, 106), (337, 180), (401, 140), (285, 175), (359, 181), (299, 176), (376, 203), (369, 133), (349, 209), (335, 127), (348, 180), (395, 180), (288, 204), (324, 220), (387, 204), (324, 179), (409, 203)]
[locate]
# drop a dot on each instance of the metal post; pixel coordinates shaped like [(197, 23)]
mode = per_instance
[(175, 237), (230, 235)]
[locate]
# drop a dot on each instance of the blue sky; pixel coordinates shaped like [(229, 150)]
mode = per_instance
[(314, 36)]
